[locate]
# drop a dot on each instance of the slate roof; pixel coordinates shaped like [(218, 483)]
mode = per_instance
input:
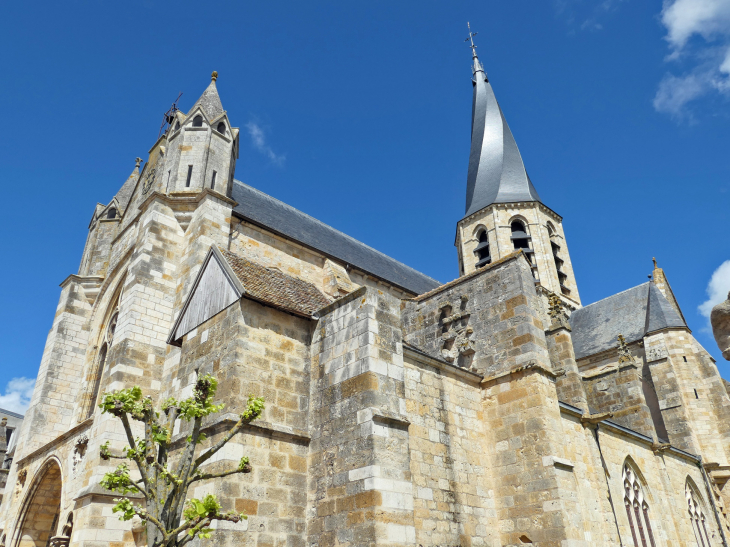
[(276, 288), (285, 220), (633, 313), (496, 171)]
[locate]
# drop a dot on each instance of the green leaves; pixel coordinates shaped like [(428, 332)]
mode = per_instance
[(207, 507), (104, 452), (254, 408), (127, 509), (119, 480), (124, 401), (201, 403), (163, 489)]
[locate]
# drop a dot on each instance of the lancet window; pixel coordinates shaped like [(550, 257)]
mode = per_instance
[(521, 240), (637, 509), (697, 516), (562, 276), (198, 121), (105, 343), (482, 249)]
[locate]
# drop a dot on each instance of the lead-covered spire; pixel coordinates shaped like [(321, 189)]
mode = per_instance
[(496, 171)]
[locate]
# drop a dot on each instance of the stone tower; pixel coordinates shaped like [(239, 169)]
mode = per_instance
[(503, 210)]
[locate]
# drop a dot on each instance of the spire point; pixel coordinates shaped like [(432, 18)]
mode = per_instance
[(477, 65), (138, 161), (214, 76), (654, 261)]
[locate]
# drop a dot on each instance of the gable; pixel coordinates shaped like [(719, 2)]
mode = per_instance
[(215, 288)]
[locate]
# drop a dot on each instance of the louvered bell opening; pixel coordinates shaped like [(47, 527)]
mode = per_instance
[(564, 289), (482, 245), (562, 277), (526, 250), (519, 234), (484, 261)]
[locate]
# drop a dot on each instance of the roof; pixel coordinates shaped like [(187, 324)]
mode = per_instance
[(278, 217), (496, 171), (633, 313), (4, 412), (125, 192), (274, 287), (210, 102)]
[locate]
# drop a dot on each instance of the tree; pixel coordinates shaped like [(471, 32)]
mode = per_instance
[(171, 519)]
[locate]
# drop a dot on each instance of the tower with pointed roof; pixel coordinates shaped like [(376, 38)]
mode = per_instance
[(503, 210), (202, 147)]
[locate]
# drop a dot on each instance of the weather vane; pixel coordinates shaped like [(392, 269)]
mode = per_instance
[(169, 116)]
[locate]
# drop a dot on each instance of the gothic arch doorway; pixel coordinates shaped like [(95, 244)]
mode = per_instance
[(39, 516)]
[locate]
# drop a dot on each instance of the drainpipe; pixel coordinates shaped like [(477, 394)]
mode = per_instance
[(711, 495), (608, 486)]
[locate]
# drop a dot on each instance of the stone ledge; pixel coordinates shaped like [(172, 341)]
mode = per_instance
[(97, 490), (229, 419), (422, 358), (530, 367), (58, 440), (340, 302)]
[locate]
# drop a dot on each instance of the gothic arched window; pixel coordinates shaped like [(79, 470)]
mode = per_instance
[(697, 515), (198, 121), (637, 509), (221, 128), (482, 249), (112, 213)]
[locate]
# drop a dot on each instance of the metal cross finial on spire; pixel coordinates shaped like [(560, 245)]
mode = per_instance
[(471, 39), (138, 161), (654, 260)]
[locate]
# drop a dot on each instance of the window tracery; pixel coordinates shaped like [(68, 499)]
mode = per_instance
[(697, 516), (637, 509)]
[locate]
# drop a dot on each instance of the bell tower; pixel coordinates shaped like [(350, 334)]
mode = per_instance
[(202, 147), (504, 212)]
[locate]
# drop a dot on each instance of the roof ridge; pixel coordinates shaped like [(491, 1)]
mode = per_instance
[(336, 230)]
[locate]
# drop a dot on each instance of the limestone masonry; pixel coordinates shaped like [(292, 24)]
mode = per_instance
[(493, 410)]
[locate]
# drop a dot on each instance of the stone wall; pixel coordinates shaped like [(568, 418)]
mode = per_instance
[(501, 309)]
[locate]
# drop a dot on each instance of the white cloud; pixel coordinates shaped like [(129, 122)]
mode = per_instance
[(708, 58), (587, 14), (717, 289), (17, 395), (258, 140)]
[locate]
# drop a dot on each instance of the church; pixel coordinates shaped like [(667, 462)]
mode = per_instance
[(496, 409)]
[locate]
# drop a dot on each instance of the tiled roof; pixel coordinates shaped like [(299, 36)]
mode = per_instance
[(273, 287)]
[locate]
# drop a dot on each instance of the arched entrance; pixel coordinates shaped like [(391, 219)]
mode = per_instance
[(40, 513)]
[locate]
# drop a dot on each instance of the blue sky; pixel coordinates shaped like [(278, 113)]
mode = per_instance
[(358, 113)]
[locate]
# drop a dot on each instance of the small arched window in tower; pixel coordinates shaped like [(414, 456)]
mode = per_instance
[(221, 128), (521, 240), (482, 249), (637, 509), (112, 213), (697, 515), (177, 126), (198, 121)]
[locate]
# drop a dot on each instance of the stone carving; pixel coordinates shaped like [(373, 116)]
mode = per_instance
[(456, 333), (556, 310), (624, 353), (656, 353), (79, 451), (720, 320)]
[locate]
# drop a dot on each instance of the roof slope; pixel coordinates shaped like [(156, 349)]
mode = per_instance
[(633, 313), (125, 192), (210, 101), (276, 288), (496, 171), (272, 214)]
